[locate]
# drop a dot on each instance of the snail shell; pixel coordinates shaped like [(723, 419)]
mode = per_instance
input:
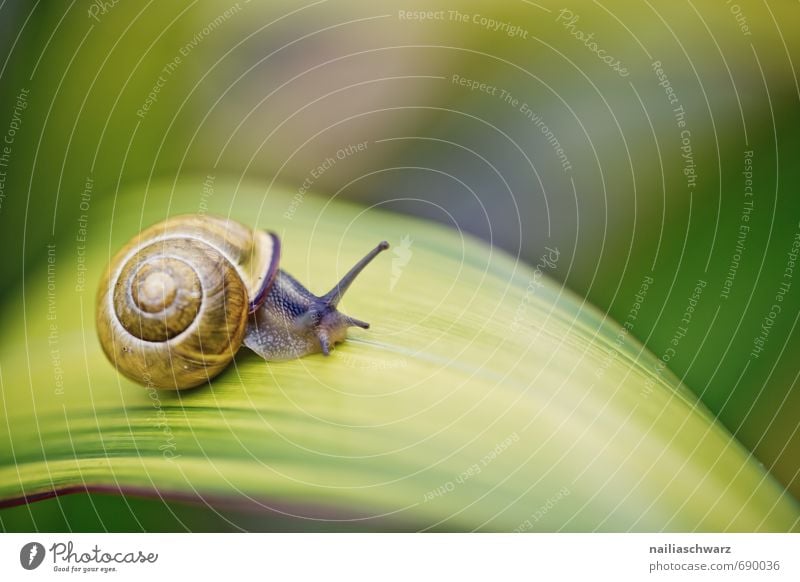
[(173, 305)]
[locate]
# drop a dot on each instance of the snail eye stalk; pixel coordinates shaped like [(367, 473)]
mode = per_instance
[(293, 322)]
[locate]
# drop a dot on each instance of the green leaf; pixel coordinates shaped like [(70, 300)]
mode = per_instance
[(483, 397)]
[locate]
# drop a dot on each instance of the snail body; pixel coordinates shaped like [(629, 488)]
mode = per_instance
[(178, 301)]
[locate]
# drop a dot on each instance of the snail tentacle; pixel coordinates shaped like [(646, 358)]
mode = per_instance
[(294, 322)]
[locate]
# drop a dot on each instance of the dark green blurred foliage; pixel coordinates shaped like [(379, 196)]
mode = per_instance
[(276, 88), (94, 512)]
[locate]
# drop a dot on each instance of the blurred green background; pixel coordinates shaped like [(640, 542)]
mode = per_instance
[(556, 149)]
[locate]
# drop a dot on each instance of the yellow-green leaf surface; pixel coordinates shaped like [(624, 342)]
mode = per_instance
[(483, 397)]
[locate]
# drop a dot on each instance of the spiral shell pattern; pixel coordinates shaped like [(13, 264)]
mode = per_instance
[(172, 308)]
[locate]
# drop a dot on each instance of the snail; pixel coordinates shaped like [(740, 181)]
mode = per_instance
[(179, 300)]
